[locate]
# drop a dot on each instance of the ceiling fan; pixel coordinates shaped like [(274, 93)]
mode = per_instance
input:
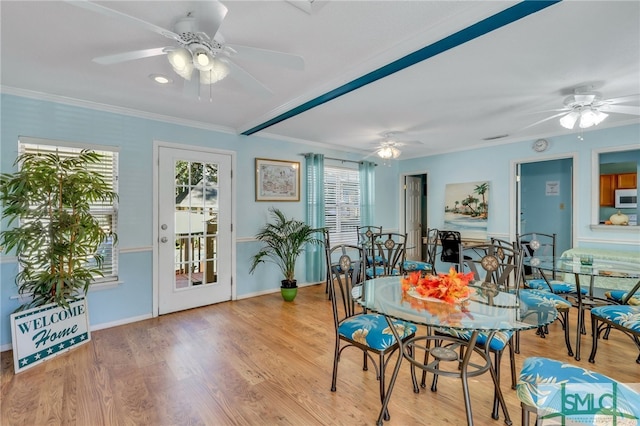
[(199, 54), (586, 108), (389, 147)]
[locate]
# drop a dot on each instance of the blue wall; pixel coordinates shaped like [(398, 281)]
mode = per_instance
[(493, 164), (134, 136)]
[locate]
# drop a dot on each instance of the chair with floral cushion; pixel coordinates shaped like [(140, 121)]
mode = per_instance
[(543, 382), (623, 297), (389, 251), (542, 299), (498, 269), (625, 318), (364, 240), (354, 327), (432, 248), (536, 244)]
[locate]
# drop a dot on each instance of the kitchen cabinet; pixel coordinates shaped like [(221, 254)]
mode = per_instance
[(609, 183), (627, 181)]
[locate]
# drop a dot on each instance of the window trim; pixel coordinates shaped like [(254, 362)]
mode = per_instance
[(112, 278)]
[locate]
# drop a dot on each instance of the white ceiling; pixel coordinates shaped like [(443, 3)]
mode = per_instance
[(496, 84)]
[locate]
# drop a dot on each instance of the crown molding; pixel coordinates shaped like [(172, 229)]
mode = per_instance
[(113, 109)]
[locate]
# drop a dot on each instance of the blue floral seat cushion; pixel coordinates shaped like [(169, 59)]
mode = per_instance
[(558, 287), (412, 265), (619, 295), (540, 386), (379, 272), (541, 298), (378, 260), (498, 342), (373, 330), (626, 316)]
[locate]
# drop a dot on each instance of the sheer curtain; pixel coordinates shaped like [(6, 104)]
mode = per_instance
[(314, 253), (367, 192)]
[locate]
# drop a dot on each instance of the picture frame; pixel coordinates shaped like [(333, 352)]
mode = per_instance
[(277, 180)]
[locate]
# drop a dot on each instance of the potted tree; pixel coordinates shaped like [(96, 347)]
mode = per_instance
[(56, 240), (284, 242)]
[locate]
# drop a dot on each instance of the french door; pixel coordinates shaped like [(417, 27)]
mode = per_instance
[(194, 235)]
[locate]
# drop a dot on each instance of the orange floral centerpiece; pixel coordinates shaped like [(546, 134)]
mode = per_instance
[(450, 288)]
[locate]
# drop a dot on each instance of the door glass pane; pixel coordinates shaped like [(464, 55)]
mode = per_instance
[(196, 223)]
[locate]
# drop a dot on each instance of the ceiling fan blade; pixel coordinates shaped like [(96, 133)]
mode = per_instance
[(247, 80), (129, 56), (622, 99), (210, 15), (282, 59), (94, 7), (546, 119), (622, 109)]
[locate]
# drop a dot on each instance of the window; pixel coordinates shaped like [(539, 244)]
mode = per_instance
[(107, 214), (342, 204)]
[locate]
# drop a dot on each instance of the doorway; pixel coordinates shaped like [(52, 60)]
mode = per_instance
[(544, 196), (193, 247), (415, 215)]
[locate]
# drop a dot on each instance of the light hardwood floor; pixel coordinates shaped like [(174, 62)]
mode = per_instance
[(258, 361)]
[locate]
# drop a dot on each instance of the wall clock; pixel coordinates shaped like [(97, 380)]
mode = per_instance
[(540, 145)]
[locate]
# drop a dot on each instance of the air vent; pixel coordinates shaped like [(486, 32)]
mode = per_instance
[(492, 138)]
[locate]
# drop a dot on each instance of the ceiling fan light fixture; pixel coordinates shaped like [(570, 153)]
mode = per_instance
[(179, 58), (202, 60), (218, 71), (388, 152), (569, 120)]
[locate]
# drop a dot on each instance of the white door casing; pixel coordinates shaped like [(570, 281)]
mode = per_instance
[(194, 238)]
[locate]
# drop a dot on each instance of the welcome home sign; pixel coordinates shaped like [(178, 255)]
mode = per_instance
[(46, 331)]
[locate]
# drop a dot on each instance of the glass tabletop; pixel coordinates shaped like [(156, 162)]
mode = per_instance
[(485, 310), (586, 265)]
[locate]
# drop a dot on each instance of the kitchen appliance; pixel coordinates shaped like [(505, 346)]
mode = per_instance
[(626, 198)]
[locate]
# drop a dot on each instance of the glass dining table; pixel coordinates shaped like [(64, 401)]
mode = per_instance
[(487, 310), (589, 267)]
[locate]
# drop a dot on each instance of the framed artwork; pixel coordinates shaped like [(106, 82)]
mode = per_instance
[(277, 180), (466, 209)]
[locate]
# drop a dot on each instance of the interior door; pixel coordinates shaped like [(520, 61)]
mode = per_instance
[(545, 199), (413, 217), (194, 217)]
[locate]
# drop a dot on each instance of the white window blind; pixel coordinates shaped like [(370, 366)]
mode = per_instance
[(105, 213), (342, 204)]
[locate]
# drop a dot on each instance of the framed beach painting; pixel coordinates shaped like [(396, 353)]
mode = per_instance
[(277, 180), (466, 209)]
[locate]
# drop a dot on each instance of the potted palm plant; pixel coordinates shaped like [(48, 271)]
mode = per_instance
[(56, 239), (284, 241)]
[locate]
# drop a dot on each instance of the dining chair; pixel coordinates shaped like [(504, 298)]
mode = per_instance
[(326, 241), (354, 327), (428, 265), (451, 243), (364, 240), (535, 244), (541, 299), (625, 318), (495, 269), (541, 390), (388, 251), (432, 248)]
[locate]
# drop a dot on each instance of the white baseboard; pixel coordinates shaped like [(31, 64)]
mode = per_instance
[(270, 291), (120, 322), (102, 326)]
